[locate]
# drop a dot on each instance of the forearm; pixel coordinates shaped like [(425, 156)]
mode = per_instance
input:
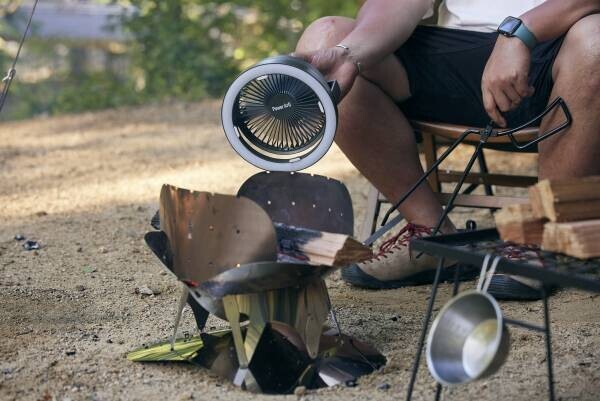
[(382, 26), (554, 18)]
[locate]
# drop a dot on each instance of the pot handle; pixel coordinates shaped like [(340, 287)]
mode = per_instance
[(485, 277), (335, 90)]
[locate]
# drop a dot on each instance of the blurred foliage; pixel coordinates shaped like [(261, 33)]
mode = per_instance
[(184, 49), (193, 48), (63, 94)]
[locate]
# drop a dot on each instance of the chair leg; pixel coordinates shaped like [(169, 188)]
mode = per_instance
[(371, 211), (430, 150), (484, 170)]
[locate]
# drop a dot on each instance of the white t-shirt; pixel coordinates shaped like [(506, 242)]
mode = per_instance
[(480, 15)]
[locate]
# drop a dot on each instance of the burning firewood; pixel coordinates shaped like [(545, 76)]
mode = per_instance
[(318, 247)]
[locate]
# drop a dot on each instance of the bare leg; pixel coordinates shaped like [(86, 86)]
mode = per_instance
[(373, 132), (576, 73)]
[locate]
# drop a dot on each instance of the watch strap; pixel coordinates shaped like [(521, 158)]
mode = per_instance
[(526, 36)]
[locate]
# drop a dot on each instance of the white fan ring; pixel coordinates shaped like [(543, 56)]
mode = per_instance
[(324, 96)]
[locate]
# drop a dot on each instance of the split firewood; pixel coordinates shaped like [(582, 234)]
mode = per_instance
[(580, 239), (517, 223), (566, 199), (318, 247)]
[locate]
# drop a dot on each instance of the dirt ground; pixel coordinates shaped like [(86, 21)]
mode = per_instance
[(86, 186)]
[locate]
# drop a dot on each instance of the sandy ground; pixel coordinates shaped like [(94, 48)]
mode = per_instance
[(86, 186)]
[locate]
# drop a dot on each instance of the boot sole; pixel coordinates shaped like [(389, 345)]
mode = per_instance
[(355, 276)]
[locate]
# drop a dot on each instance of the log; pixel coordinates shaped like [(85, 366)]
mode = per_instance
[(570, 199), (297, 244), (517, 223), (580, 239)]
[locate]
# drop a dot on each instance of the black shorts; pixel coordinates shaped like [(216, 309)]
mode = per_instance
[(445, 67)]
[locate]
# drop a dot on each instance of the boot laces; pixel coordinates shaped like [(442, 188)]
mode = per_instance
[(402, 239)]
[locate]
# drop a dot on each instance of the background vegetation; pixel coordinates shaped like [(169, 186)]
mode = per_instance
[(173, 49)]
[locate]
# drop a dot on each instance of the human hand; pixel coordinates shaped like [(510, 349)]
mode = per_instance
[(504, 82), (335, 64)]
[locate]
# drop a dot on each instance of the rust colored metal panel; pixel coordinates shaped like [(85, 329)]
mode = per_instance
[(211, 233)]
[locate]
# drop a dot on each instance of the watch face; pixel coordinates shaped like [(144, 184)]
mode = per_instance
[(509, 26)]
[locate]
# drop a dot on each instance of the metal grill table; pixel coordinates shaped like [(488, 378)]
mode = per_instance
[(471, 248)]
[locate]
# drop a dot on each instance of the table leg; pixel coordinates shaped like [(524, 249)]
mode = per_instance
[(548, 345), (426, 319), (456, 280), (438, 392)]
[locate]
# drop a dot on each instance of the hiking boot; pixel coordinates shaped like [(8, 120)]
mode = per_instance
[(395, 265)]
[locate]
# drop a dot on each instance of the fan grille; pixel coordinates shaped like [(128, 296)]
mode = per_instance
[(279, 114)]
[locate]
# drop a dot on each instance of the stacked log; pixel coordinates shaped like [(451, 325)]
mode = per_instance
[(517, 223), (562, 216)]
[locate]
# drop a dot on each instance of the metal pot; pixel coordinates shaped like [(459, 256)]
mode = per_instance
[(468, 339)]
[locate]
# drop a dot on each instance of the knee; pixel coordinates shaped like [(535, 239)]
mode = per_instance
[(582, 48), (324, 32)]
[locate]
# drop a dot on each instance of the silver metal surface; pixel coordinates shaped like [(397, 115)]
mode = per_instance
[(469, 339), (261, 277)]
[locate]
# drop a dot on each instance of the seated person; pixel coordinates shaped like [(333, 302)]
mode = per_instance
[(462, 71)]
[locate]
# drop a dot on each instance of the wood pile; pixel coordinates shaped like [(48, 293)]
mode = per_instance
[(580, 238), (566, 200), (562, 216)]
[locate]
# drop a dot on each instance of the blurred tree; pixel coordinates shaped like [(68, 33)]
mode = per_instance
[(193, 48)]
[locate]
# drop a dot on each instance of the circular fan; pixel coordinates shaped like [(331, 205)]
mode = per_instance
[(280, 114)]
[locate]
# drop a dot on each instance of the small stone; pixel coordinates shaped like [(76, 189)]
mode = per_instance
[(394, 318), (30, 245), (70, 352), (80, 287), (109, 341), (383, 387), (102, 250), (186, 396), (19, 237), (144, 290), (163, 273), (41, 213), (80, 249), (300, 391)]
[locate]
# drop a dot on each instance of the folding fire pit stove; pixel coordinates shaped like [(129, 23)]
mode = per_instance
[(225, 250)]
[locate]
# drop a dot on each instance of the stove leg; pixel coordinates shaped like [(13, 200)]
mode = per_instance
[(426, 320), (548, 338), (182, 302)]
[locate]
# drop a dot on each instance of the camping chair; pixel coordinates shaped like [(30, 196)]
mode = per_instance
[(433, 135)]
